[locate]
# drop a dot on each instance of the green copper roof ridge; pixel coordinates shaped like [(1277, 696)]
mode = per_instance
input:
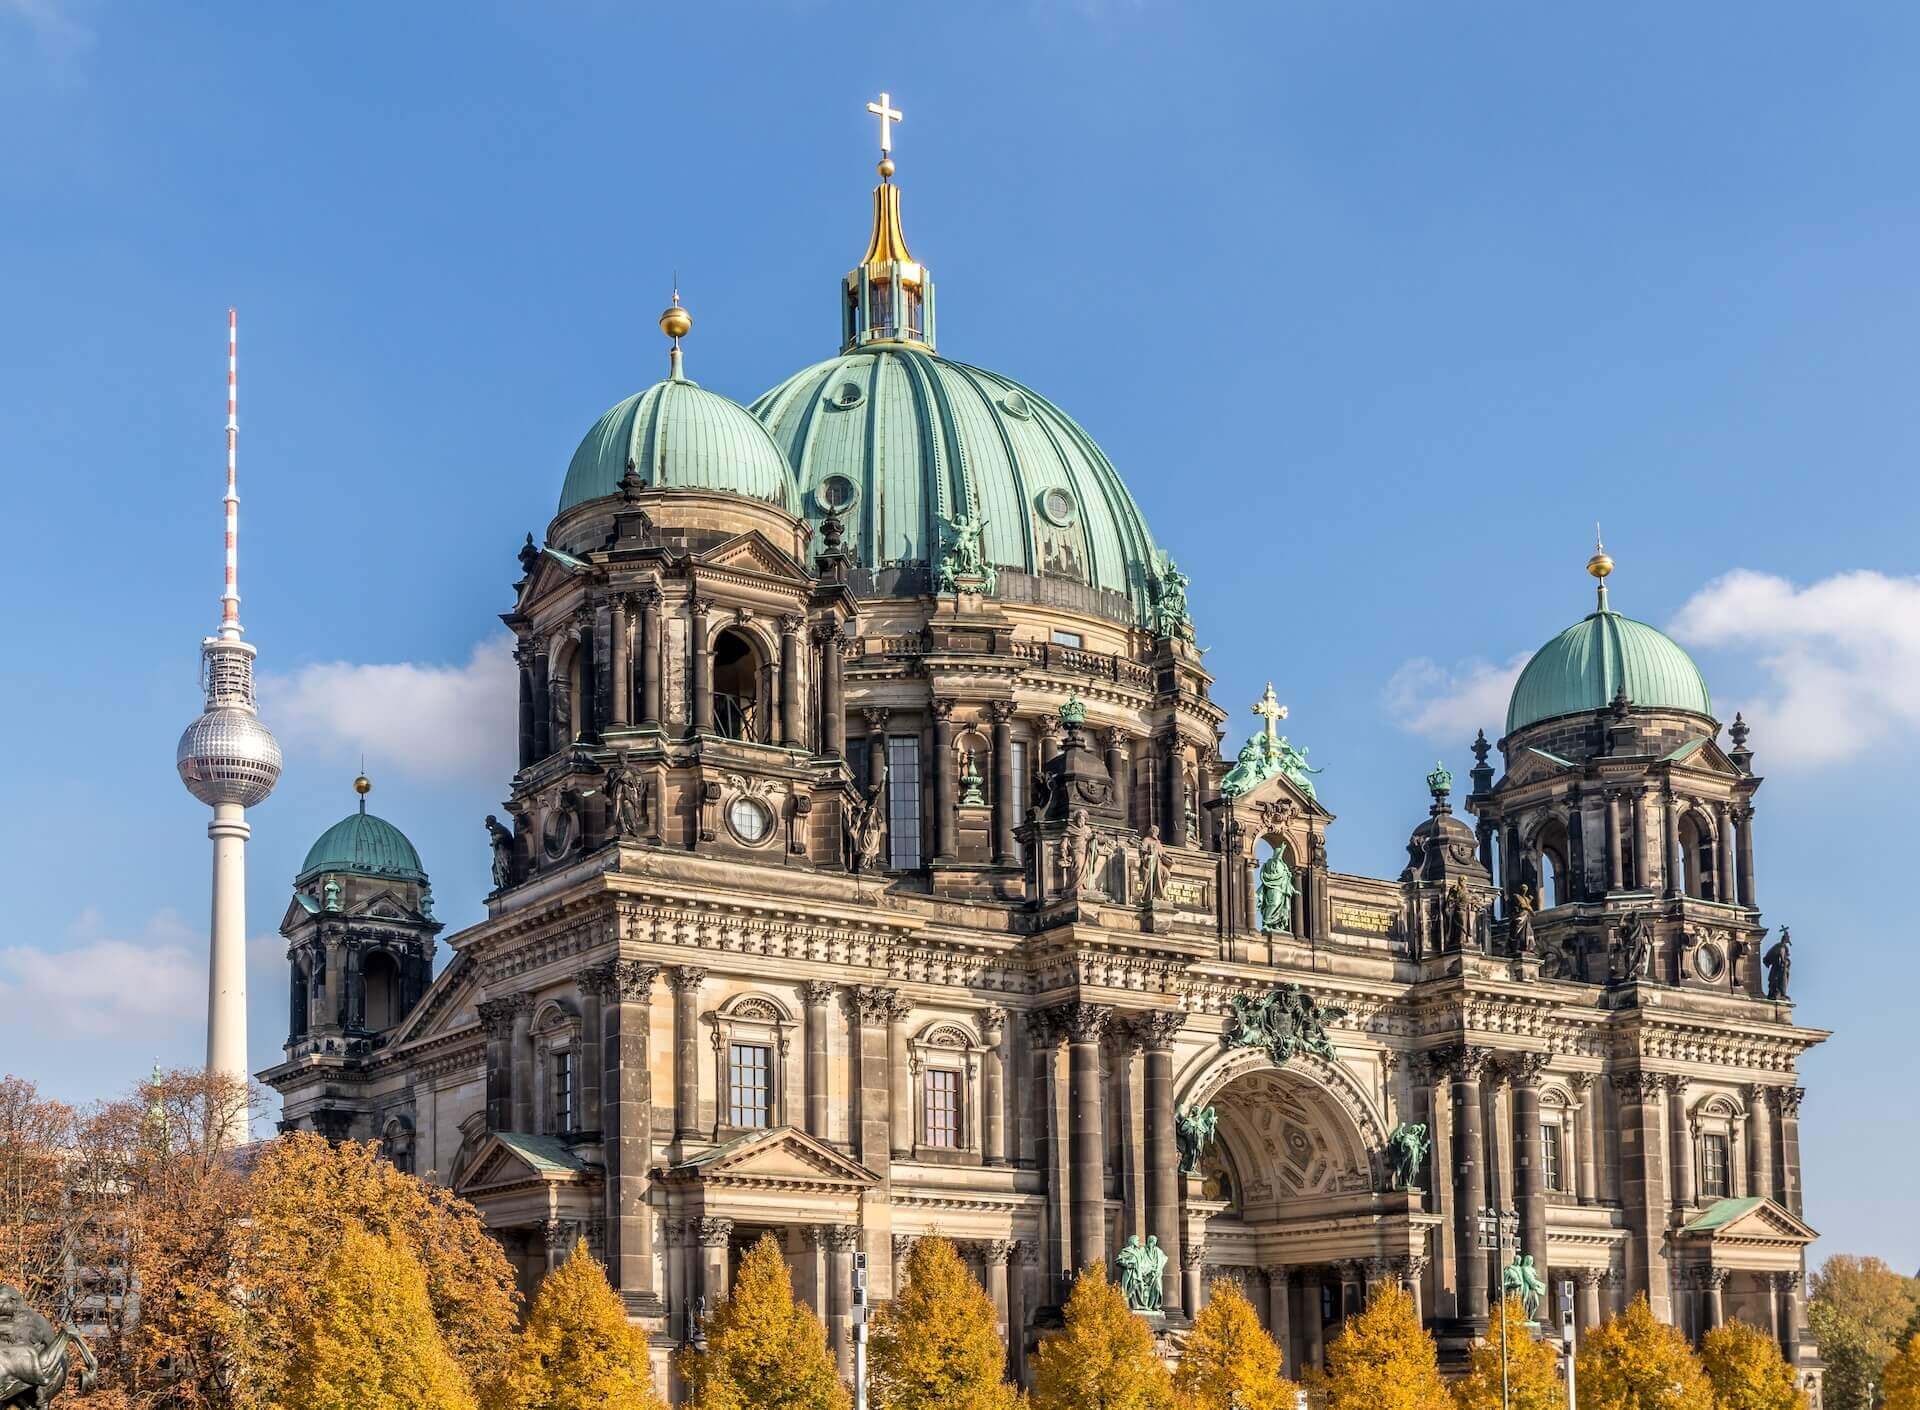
[(1014, 464)]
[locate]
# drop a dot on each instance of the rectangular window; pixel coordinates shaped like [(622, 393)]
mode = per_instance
[(943, 1107), (1550, 1155), (1713, 1167), (1073, 639), (560, 1117), (1017, 796), (749, 1085), (903, 802)]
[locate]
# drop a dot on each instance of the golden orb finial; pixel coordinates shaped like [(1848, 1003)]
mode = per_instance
[(676, 322), (1600, 564), (886, 168), (363, 785)]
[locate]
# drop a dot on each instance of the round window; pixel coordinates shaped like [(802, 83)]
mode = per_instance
[(750, 819), (1708, 963), (556, 832), (1056, 506), (1016, 405), (846, 396), (836, 494)]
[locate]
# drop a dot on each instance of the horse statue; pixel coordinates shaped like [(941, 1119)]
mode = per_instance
[(34, 1362)]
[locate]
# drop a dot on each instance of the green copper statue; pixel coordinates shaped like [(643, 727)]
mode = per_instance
[(1193, 1128), (1169, 591), (1520, 1276), (970, 794), (1282, 1022), (1276, 896), (964, 557), (1407, 1146), (1142, 1269)]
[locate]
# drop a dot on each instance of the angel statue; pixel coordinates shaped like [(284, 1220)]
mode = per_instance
[(965, 556), (1276, 895), (1193, 1128), (1407, 1147), (1520, 1276)]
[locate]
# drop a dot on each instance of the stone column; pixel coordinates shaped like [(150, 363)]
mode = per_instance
[(1005, 850), (872, 1006), (818, 994), (714, 1236), (793, 713), (1587, 1186), (652, 658), (839, 1240), (1157, 1032), (994, 1253), (1587, 1308), (1466, 1064), (833, 714), (1174, 750), (1025, 1260), (899, 1085), (1785, 1291), (1760, 1141), (1725, 886), (523, 658), (993, 1098), (1680, 1142), (1049, 739), (700, 678), (1086, 1024), (1279, 1318), (1672, 863), (1192, 1266), (1787, 1099), (1530, 1185), (942, 769), (1616, 873), (686, 981), (542, 706), (357, 987), (1643, 1187), (1745, 864), (622, 702), (592, 983), (1713, 1282), (523, 1063), (1112, 739), (1637, 801), (1312, 1310), (877, 745), (627, 1124), (496, 1016)]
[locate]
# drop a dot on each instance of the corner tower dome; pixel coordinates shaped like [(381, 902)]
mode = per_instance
[(678, 435), (895, 440), (1598, 659), (363, 845)]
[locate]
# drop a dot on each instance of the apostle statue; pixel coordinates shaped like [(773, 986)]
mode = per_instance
[(1155, 875), (502, 853), (1639, 946), (626, 798), (1459, 915), (1523, 907), (869, 823), (1276, 895), (1077, 847), (1779, 962), (1141, 1269)]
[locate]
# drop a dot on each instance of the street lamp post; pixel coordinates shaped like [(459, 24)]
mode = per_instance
[(1499, 1231), (1566, 1334), (859, 1331)]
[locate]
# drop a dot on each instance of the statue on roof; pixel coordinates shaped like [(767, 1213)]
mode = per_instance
[(1154, 872), (1276, 895), (502, 841), (1293, 767), (628, 798), (1639, 946), (1523, 907), (1779, 962), (963, 561), (1168, 590)]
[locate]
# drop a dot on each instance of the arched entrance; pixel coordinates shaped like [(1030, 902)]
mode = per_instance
[(1291, 1201)]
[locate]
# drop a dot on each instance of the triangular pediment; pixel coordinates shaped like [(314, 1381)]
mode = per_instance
[(300, 909), (1750, 1220), (448, 1004), (784, 1157), (512, 1158), (1283, 797), (1702, 755), (751, 552), (383, 905)]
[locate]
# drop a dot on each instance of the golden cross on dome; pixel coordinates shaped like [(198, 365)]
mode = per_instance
[(1269, 708), (888, 115)]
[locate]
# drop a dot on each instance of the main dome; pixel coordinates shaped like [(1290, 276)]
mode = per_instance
[(1595, 660), (894, 438), (364, 845), (678, 435)]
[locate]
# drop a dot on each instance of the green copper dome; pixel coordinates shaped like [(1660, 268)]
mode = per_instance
[(896, 439), (1594, 660), (678, 435), (366, 846)]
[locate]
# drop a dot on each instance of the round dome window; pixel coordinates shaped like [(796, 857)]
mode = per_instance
[(1015, 404), (836, 494), (750, 819), (1056, 506), (846, 396)]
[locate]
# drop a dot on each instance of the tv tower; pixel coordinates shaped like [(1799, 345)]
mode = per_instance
[(229, 761)]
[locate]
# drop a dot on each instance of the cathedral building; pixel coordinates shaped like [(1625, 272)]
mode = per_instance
[(874, 869)]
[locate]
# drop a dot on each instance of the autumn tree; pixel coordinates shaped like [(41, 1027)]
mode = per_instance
[(36, 1236), (306, 1194), (1229, 1363), (764, 1351), (936, 1345), (1383, 1359), (1858, 1310), (1533, 1367), (1900, 1382), (1103, 1359), (1637, 1363), (1747, 1371), (578, 1351), (367, 1339)]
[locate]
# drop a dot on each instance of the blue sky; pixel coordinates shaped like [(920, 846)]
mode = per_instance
[(1377, 307)]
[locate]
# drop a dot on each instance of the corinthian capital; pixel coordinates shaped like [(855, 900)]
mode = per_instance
[(1085, 1023), (1157, 1029)]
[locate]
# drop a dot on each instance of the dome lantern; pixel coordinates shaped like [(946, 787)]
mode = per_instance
[(888, 296)]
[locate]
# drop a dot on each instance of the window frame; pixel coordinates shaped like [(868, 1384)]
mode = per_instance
[(906, 846), (737, 1110)]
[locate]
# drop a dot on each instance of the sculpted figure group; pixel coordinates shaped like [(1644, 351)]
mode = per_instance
[(36, 1357)]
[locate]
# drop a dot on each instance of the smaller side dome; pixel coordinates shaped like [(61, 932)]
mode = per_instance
[(678, 435), (1593, 661), (363, 845)]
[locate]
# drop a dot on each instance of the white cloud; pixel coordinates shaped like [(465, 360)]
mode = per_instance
[(99, 985), (1842, 654), (1448, 705), (425, 721)]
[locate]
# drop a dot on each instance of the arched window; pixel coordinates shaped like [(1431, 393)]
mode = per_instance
[(380, 977), (1696, 850), (1556, 881), (739, 687), (557, 1038)]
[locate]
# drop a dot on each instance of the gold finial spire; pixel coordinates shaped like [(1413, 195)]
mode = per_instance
[(1269, 708), (888, 115), (887, 244), (676, 323), (1600, 565), (363, 785)]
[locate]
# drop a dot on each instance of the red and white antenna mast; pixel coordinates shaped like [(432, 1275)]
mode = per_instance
[(230, 597)]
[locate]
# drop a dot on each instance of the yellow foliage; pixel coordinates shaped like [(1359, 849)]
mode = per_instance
[(1900, 1381), (578, 1351), (1383, 1359), (1103, 1358), (764, 1350), (1533, 1368), (936, 1345), (306, 1194), (1747, 1371), (1229, 1363), (369, 1341), (1636, 1363)]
